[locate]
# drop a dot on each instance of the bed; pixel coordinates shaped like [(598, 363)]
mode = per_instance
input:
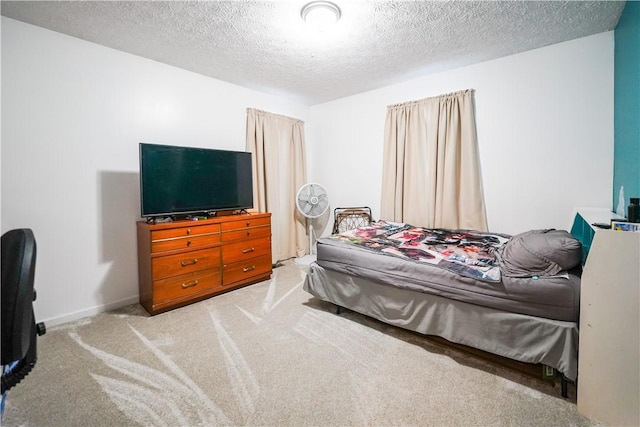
[(514, 296)]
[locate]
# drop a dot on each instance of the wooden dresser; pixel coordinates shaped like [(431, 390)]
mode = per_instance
[(186, 261)]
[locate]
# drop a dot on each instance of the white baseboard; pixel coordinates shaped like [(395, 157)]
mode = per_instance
[(59, 320)]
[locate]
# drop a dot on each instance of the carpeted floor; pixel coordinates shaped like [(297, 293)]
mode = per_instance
[(270, 355)]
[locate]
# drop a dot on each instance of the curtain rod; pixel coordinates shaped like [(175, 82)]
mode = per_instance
[(267, 113), (419, 101)]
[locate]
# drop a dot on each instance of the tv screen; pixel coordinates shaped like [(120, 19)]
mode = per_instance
[(183, 180)]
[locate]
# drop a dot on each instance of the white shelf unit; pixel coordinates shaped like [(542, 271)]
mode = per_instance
[(583, 228), (609, 350)]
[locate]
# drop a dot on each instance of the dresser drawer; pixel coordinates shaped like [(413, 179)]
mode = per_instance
[(191, 242), (187, 262), (236, 252), (185, 231), (245, 223), (245, 270), (185, 285), (247, 233)]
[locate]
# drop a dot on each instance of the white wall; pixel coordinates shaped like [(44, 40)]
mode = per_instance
[(73, 114), (545, 129)]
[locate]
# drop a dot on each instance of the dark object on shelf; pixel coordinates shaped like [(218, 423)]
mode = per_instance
[(350, 218), (633, 210), (605, 225), (19, 329)]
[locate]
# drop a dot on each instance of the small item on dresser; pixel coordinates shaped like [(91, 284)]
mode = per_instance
[(633, 210), (606, 226)]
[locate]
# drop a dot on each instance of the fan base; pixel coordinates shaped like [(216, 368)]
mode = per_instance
[(306, 260)]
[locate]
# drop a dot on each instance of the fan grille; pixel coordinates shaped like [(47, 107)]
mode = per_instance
[(312, 200)]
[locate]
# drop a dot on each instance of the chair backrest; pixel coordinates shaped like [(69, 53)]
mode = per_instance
[(18, 270), (350, 218)]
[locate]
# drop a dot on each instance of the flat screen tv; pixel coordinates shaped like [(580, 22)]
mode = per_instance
[(178, 181)]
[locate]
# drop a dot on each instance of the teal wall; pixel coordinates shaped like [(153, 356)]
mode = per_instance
[(626, 157)]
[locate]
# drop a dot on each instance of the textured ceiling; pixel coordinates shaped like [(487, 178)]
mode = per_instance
[(264, 45)]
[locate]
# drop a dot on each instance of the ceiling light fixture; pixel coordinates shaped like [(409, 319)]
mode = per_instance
[(320, 14)]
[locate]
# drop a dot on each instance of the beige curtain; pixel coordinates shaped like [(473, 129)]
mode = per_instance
[(277, 145), (431, 170)]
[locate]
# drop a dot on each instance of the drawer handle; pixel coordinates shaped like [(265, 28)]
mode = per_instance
[(248, 223), (188, 231), (186, 263), (189, 284), (248, 233), (253, 267), (188, 242), (246, 251)]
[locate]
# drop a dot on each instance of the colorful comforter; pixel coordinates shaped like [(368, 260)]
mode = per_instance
[(468, 253)]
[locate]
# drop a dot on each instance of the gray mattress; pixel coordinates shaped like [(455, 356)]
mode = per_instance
[(517, 336), (551, 297)]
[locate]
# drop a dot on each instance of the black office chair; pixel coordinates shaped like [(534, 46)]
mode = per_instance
[(19, 329)]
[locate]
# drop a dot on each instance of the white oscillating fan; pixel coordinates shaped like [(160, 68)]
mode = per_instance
[(312, 202)]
